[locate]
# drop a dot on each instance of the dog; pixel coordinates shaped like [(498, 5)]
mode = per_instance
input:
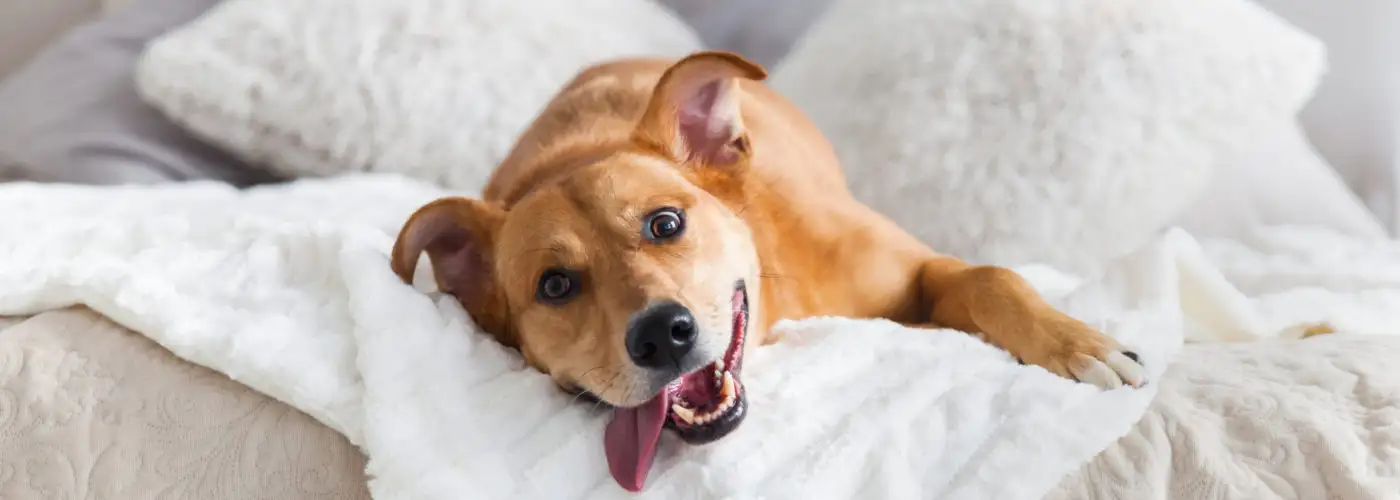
[(659, 216)]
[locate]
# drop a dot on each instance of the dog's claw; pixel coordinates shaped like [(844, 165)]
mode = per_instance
[(1092, 371), (1127, 365), (1113, 371)]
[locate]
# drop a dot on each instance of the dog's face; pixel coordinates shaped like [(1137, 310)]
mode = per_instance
[(623, 276), (628, 278)]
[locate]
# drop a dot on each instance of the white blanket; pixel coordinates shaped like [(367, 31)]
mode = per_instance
[(288, 290)]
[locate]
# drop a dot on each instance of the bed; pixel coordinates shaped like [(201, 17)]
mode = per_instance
[(1235, 421), (126, 419), (306, 312), (144, 401), (89, 409)]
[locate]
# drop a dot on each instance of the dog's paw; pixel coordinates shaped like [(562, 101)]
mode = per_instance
[(1077, 351), (1108, 369)]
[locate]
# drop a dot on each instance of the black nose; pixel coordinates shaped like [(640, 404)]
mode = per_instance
[(661, 335)]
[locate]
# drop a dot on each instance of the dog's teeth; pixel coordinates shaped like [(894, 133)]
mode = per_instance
[(684, 413), (727, 389), (719, 366)]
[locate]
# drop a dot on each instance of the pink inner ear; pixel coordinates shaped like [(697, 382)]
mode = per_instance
[(706, 128), (459, 263)]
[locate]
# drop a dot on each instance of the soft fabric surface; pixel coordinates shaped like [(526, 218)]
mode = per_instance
[(1355, 119), (89, 409), (1309, 419), (1278, 420), (288, 290), (435, 89), (1276, 178), (26, 26), (1057, 131), (73, 114), (1352, 119)]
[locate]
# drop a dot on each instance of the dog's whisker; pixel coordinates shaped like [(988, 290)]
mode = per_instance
[(632, 389), (581, 379), (611, 382)]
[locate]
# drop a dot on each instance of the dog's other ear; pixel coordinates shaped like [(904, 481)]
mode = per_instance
[(458, 234), (694, 109)]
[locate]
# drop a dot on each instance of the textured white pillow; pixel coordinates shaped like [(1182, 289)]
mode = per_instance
[(1274, 179), (1355, 118), (435, 89), (1060, 131)]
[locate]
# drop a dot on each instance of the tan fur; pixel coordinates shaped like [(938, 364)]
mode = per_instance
[(606, 150), (1317, 329)]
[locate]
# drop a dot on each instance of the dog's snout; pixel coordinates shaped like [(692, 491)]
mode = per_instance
[(661, 335)]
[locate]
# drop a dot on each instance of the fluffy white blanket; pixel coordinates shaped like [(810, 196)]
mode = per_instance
[(288, 290)]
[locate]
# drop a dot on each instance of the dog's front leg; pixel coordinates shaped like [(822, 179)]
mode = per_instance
[(1001, 307)]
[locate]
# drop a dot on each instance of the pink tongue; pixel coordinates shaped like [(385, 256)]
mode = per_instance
[(630, 440)]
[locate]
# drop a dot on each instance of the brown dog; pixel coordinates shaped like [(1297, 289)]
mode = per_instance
[(659, 216)]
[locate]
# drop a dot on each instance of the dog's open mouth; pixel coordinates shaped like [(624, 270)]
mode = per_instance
[(700, 406), (709, 403)]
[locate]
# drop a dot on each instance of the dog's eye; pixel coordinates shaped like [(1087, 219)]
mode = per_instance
[(557, 286), (664, 224)]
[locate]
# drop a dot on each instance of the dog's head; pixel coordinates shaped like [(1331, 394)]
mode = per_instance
[(629, 278)]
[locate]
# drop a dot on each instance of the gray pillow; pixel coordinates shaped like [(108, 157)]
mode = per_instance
[(73, 114), (761, 30)]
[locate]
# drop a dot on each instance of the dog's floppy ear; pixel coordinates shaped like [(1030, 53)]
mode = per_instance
[(694, 109), (459, 235)]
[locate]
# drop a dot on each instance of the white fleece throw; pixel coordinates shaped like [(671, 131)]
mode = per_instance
[(288, 290)]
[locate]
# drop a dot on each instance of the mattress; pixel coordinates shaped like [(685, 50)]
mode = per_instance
[(89, 409)]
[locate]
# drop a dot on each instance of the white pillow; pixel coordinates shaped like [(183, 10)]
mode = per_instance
[(1064, 132), (1274, 179), (1355, 118), (435, 89)]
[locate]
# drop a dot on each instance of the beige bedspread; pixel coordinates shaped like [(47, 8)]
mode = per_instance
[(1316, 419), (90, 410)]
